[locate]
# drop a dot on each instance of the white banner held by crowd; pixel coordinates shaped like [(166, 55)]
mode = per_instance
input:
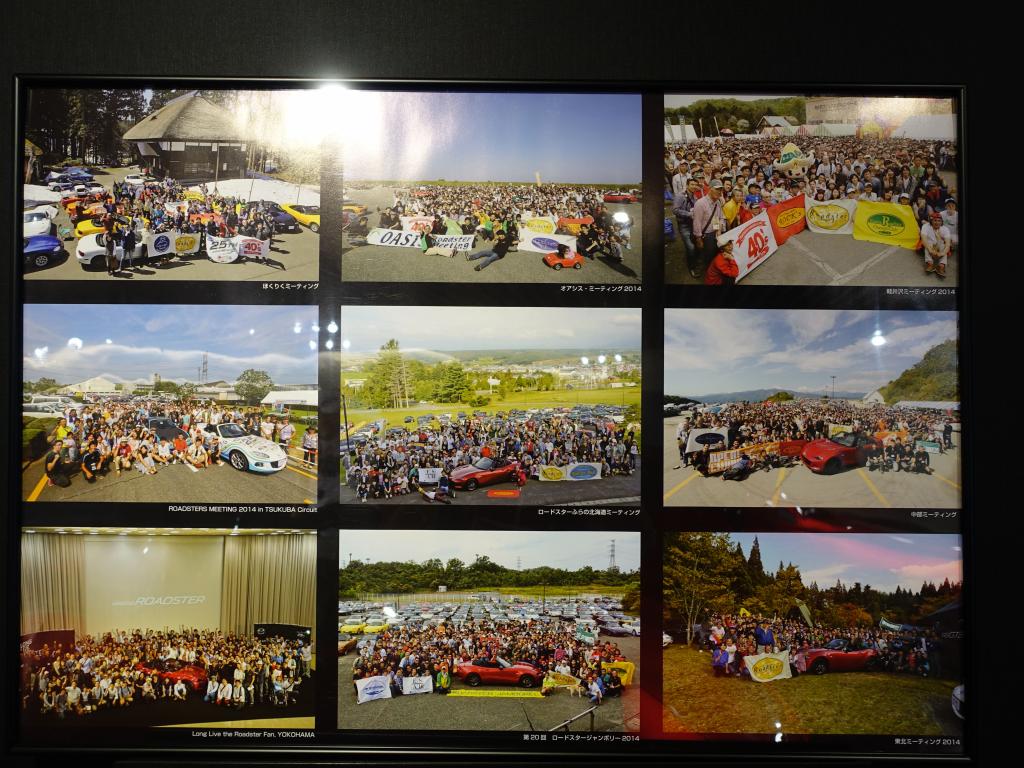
[(158, 244), (429, 475), (718, 439), (540, 242), (831, 217), (373, 688), (574, 472), (765, 667), (753, 243), (400, 239), (225, 250), (414, 685)]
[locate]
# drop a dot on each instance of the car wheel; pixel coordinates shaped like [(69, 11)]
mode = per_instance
[(819, 667), (557, 267), (97, 263), (831, 466), (238, 461), (472, 485), (41, 260), (527, 682), (473, 680), (578, 265), (314, 228)]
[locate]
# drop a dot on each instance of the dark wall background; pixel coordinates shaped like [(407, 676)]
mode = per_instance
[(706, 44)]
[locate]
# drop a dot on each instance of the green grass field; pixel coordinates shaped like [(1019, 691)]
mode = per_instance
[(839, 703), (522, 400)]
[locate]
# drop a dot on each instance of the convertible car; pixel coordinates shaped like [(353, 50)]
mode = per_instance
[(40, 250), (499, 672), (556, 262), (839, 656), (620, 197), (174, 670), (306, 215), (829, 455), (165, 429), (484, 471), (248, 452)]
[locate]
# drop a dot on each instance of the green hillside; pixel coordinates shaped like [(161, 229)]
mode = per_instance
[(934, 378)]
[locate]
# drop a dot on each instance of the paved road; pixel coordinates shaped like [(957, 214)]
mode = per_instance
[(377, 263), (609, 490), (298, 254), (178, 484), (812, 258), (799, 487), (430, 712)]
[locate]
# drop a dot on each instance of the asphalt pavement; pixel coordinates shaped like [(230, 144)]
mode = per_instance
[(799, 487), (434, 712), (378, 263), (176, 484), (294, 257), (619, 489)]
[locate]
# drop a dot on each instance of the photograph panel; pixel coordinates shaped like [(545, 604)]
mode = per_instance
[(851, 634), (492, 187), (811, 190), (132, 628), (486, 405), (169, 403), (150, 184), (507, 630), (811, 408)]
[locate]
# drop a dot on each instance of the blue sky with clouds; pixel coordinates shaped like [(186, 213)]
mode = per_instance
[(881, 560), (558, 549), (575, 138), (731, 350), (69, 342)]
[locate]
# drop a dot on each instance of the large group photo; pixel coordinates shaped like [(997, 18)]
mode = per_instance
[(170, 184), (505, 405), (496, 631), (155, 627), (850, 634), (811, 190), (492, 187), (811, 408), (170, 403)]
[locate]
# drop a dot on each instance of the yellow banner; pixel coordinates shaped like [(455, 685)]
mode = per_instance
[(626, 668), (886, 223), (558, 680), (485, 693), (744, 612)]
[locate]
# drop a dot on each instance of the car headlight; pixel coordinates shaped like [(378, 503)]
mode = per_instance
[(260, 455), (56, 249)]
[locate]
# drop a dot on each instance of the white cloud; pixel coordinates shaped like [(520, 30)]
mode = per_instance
[(825, 576), (914, 573)]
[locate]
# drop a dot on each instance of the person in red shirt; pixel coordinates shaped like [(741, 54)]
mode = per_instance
[(723, 269)]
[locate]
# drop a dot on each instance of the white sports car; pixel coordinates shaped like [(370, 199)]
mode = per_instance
[(38, 221), (91, 251), (247, 452)]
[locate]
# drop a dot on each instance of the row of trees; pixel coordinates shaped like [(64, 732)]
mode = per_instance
[(483, 573), (738, 116), (707, 573), (85, 125)]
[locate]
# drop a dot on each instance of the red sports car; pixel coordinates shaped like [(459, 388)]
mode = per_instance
[(499, 672), (174, 670), (837, 656), (485, 471), (556, 262), (829, 455), (620, 197)]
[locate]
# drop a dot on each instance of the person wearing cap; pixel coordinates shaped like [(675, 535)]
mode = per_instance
[(708, 224), (751, 208), (937, 243), (723, 269)]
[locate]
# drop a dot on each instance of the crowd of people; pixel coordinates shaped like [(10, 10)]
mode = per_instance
[(731, 639), (436, 651), (116, 435), (389, 465), (128, 212), (750, 424), (124, 668), (717, 185), (486, 211)]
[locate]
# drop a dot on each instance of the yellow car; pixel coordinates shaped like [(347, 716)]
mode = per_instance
[(89, 227), (355, 208), (354, 628), (307, 215), (374, 628)]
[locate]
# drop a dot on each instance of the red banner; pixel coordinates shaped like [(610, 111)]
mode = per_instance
[(573, 225), (787, 218)]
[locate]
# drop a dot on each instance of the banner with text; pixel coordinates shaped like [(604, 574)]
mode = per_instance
[(573, 225), (582, 471), (886, 223), (401, 239), (429, 475), (787, 218), (720, 461), (417, 223), (541, 242), (716, 438), (558, 680), (159, 244), (225, 250), (765, 667), (413, 685), (831, 217), (838, 429), (753, 243), (372, 688)]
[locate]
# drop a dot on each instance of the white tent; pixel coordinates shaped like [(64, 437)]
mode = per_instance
[(938, 405), (940, 127), (305, 397), (280, 192), (834, 129), (676, 134), (96, 384)]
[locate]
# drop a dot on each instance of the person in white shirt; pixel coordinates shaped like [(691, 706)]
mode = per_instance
[(238, 695), (180, 691), (224, 693), (937, 244), (951, 220), (212, 686)]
